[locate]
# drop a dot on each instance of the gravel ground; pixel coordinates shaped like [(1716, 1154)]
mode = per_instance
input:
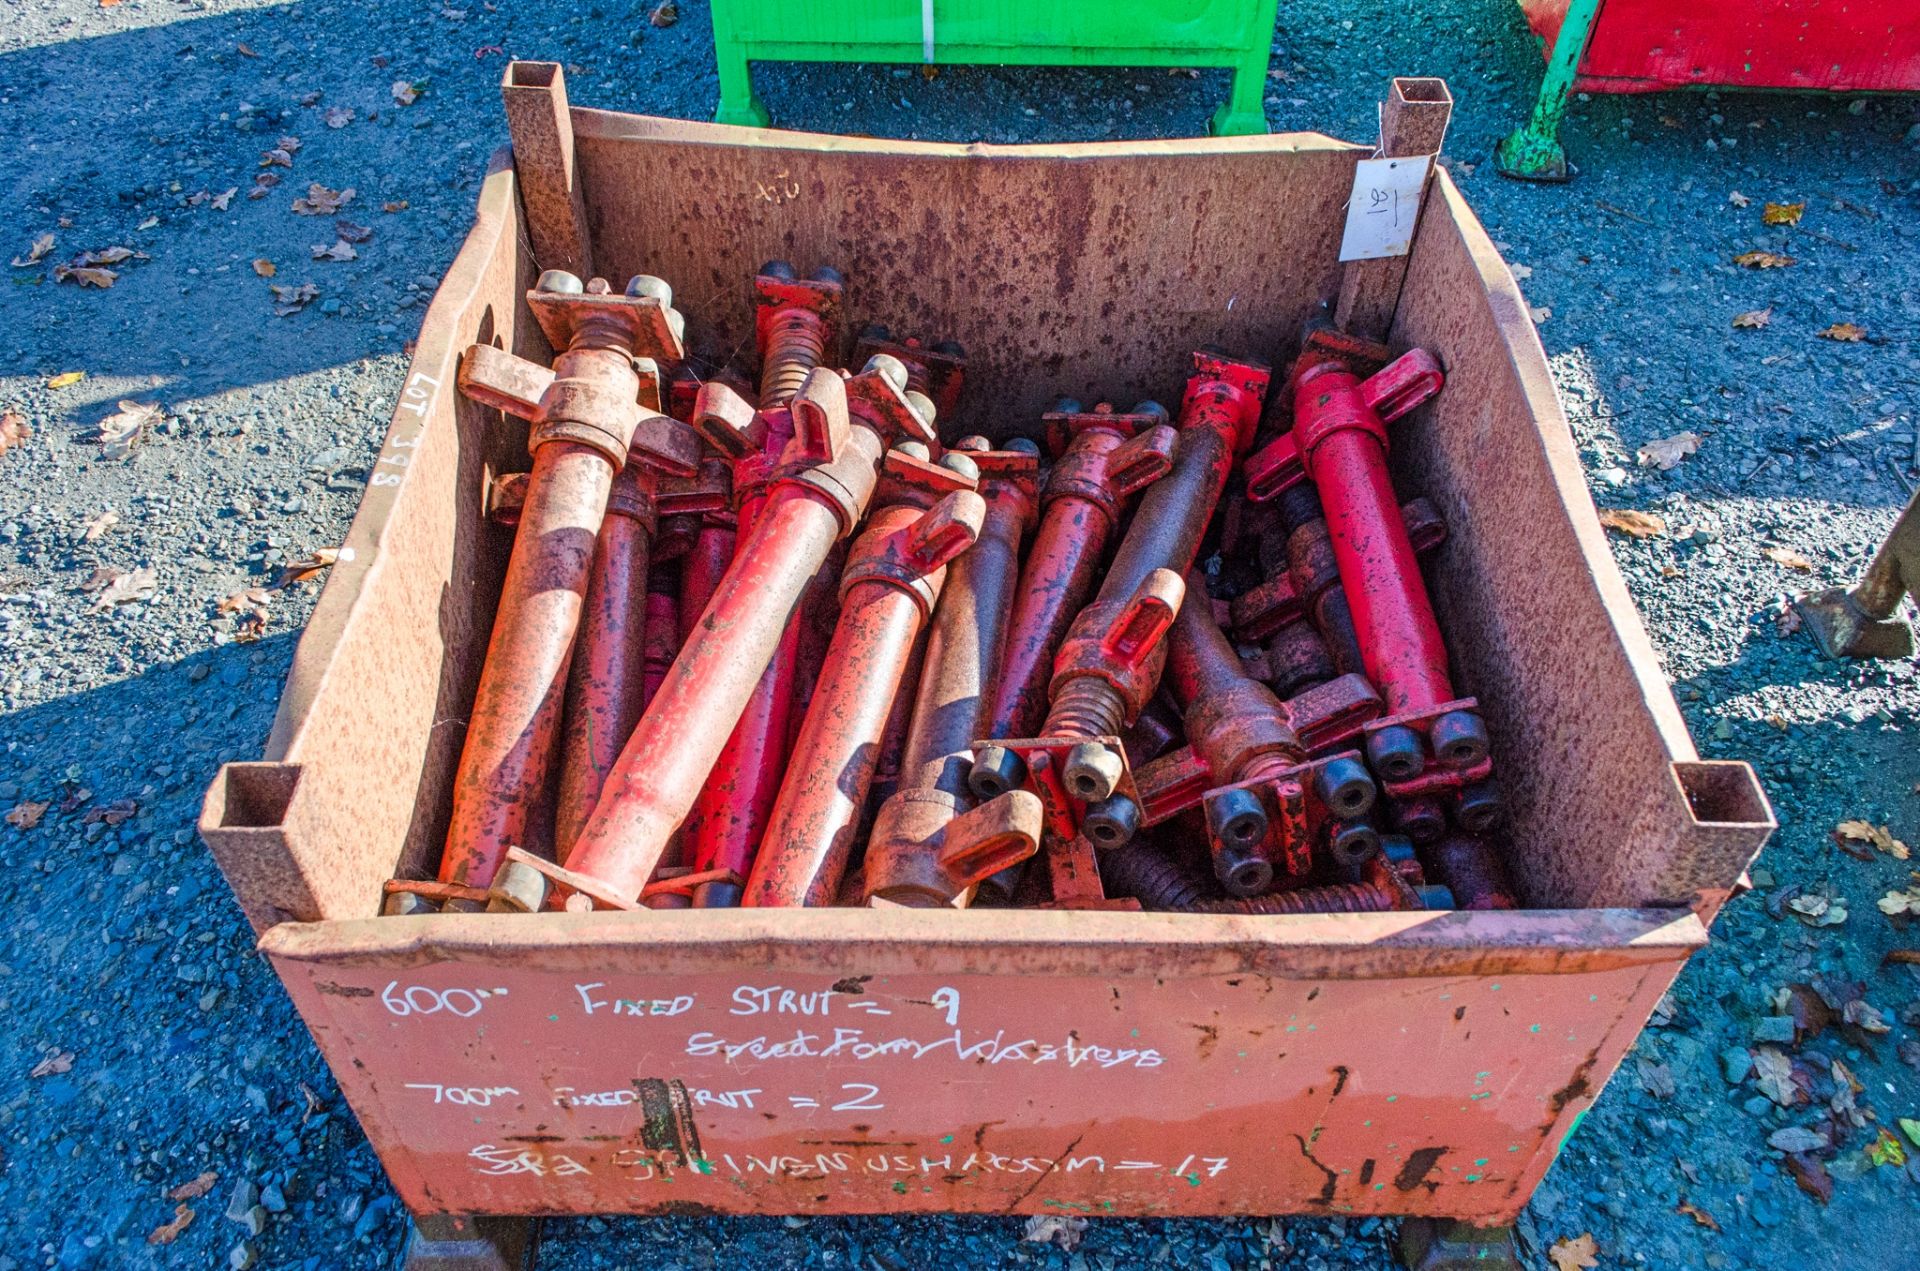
[(162, 1051)]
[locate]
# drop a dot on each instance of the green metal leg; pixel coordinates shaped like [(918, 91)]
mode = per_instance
[(739, 104), (1533, 153), (1244, 113)]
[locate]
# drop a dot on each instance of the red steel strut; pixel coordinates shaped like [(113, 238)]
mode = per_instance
[(663, 630), (930, 842), (893, 579), (842, 428), (1109, 458), (1306, 592), (937, 371), (796, 326), (606, 682), (586, 416), (1104, 459), (1429, 742), (1267, 804), (1110, 660)]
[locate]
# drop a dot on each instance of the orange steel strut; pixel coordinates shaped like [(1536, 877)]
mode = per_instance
[(796, 327), (929, 515), (586, 416), (842, 428), (930, 843)]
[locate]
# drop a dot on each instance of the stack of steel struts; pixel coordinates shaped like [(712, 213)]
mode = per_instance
[(780, 646)]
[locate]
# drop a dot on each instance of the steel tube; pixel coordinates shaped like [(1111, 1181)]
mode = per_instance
[(895, 578), (667, 759), (606, 686), (515, 720)]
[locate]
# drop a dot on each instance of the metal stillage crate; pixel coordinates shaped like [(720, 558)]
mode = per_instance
[(839, 1060)]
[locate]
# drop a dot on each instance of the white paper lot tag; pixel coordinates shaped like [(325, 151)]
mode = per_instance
[(1384, 208)]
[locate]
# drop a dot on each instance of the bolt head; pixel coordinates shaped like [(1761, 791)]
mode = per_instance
[(914, 450), (889, 366), (649, 287), (922, 405), (1021, 446), (956, 461), (405, 904), (558, 282), (781, 269)]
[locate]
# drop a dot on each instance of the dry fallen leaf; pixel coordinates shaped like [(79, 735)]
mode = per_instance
[(1060, 1229), (244, 51), (278, 157), (349, 232), (54, 1064), (1773, 1074), (1845, 332), (40, 247), (298, 571), (195, 1188), (168, 1232), (149, 223), (122, 431), (98, 526), (249, 608), (1787, 558), (341, 250), (1698, 1214), (26, 814), (1782, 213), (1878, 836), (1895, 903), (1738, 199), (1636, 524), (290, 300), (394, 205), (1575, 1253), (265, 268), (321, 201), (1665, 453), (14, 430), (1797, 1138), (66, 379), (1753, 319), (120, 589), (1539, 313), (115, 813), (85, 275), (405, 94), (1763, 260), (338, 116), (1817, 911)]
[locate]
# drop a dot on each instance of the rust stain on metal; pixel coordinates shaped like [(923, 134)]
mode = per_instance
[(1420, 1163)]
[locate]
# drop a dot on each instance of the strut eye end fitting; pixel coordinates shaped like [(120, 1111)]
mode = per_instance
[(650, 287), (1354, 843), (1479, 806), (1395, 753), (1345, 786), (558, 282), (1112, 822), (1237, 820), (781, 269), (889, 366), (517, 888), (995, 771), (946, 529), (1092, 771), (405, 904), (1460, 739)]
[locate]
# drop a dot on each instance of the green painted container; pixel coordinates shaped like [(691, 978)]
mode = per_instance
[(1234, 34)]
